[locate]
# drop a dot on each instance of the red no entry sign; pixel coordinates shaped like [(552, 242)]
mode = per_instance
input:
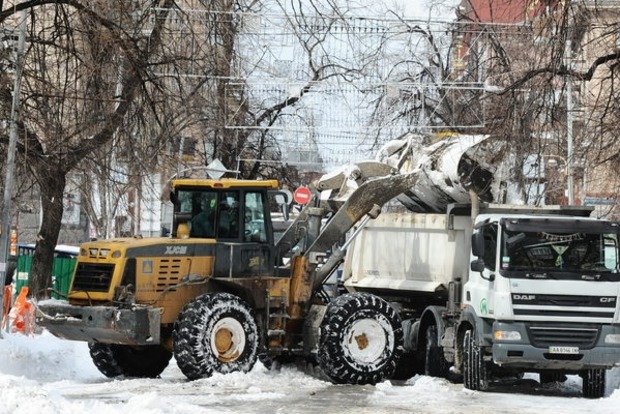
[(302, 195)]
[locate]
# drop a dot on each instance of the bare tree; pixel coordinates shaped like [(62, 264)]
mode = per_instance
[(82, 73)]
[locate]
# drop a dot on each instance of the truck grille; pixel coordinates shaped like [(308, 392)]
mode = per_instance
[(568, 306), (583, 336), (93, 277)]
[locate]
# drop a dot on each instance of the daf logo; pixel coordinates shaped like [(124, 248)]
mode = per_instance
[(607, 299), (173, 250), (523, 297)]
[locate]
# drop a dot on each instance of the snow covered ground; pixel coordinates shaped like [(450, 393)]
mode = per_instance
[(43, 375)]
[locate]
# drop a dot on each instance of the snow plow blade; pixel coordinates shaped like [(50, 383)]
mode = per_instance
[(106, 324)]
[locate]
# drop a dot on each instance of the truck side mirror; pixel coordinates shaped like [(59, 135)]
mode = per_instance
[(477, 265), (477, 244), (284, 208), (282, 200)]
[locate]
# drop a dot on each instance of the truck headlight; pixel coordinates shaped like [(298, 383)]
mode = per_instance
[(507, 335), (612, 339)]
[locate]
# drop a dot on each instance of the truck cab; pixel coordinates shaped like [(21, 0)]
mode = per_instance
[(542, 296)]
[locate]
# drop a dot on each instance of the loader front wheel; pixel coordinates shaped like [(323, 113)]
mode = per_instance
[(216, 332), (361, 340), (130, 361)]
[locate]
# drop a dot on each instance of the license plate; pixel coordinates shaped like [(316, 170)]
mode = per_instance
[(563, 350)]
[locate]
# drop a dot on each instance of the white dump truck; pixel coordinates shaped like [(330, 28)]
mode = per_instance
[(503, 291)]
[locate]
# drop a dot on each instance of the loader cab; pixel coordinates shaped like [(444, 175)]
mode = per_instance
[(234, 215)]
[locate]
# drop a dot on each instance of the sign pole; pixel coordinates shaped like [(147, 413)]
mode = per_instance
[(5, 236)]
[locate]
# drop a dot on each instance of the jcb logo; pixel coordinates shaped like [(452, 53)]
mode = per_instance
[(173, 250)]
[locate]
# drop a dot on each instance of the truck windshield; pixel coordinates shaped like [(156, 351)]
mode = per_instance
[(544, 249)]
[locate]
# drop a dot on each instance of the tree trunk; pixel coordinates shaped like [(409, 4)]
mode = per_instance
[(52, 190)]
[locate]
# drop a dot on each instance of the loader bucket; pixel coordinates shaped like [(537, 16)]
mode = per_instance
[(448, 169)]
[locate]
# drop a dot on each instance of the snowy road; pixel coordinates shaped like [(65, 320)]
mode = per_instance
[(44, 375), (289, 391)]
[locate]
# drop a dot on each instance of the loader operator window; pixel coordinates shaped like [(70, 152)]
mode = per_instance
[(254, 230), (201, 204), (228, 215)]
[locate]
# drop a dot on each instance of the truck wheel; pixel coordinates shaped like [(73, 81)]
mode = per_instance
[(410, 364), (131, 361), (550, 377), (475, 370), (361, 340), (593, 383), (216, 332), (435, 364)]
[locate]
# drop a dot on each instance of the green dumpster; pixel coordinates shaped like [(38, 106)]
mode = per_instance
[(65, 258)]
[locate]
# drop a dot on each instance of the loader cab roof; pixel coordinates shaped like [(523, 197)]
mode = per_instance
[(223, 183)]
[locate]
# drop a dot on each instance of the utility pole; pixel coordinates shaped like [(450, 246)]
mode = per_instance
[(5, 236), (569, 127)]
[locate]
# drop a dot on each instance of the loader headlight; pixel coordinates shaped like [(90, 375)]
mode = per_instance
[(507, 335), (612, 339), (116, 254)]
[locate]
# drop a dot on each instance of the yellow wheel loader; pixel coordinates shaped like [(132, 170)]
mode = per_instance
[(220, 291)]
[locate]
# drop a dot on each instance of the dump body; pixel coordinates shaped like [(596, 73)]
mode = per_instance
[(409, 254)]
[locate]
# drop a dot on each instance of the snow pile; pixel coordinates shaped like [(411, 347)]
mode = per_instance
[(45, 358), (47, 375), (450, 165)]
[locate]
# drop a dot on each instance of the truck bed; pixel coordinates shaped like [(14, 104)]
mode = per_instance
[(434, 247)]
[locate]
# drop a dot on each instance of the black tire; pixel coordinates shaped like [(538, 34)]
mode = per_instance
[(216, 332), (475, 370), (129, 361), (410, 364), (361, 340), (435, 364), (550, 377), (593, 383)]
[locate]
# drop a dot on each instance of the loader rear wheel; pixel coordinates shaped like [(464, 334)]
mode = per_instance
[(129, 361), (593, 383), (475, 369), (216, 332), (361, 340)]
